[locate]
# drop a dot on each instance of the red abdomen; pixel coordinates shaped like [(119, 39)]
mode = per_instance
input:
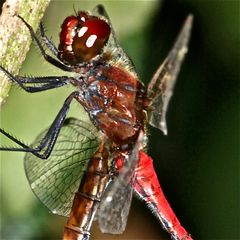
[(147, 187)]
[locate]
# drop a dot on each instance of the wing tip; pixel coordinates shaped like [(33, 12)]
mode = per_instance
[(190, 19), (188, 22), (163, 127), (184, 35)]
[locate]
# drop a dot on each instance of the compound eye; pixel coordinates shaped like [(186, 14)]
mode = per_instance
[(90, 39), (68, 30)]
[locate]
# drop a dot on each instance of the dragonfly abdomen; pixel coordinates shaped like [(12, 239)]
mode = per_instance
[(148, 189), (87, 199)]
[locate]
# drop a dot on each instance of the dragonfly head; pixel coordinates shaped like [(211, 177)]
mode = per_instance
[(82, 37)]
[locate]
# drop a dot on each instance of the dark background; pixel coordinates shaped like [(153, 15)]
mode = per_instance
[(197, 163)]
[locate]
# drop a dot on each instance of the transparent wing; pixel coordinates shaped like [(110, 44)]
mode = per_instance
[(118, 54), (113, 212), (115, 205), (55, 180), (161, 86)]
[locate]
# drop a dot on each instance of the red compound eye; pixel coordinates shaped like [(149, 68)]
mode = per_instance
[(70, 22), (98, 27), (90, 39), (68, 30), (82, 38)]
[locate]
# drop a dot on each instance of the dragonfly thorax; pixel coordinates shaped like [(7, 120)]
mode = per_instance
[(113, 98)]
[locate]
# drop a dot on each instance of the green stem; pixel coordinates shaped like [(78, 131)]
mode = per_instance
[(15, 39)]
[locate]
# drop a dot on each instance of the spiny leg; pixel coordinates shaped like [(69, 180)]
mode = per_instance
[(48, 41), (47, 57), (49, 139), (44, 83)]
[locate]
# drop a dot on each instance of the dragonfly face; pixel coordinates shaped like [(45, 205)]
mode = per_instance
[(82, 37), (106, 157)]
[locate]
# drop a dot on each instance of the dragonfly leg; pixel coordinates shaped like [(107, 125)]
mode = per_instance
[(43, 83), (47, 57), (101, 10), (47, 143), (50, 45)]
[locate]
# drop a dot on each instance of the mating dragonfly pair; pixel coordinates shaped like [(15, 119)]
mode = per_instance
[(89, 171)]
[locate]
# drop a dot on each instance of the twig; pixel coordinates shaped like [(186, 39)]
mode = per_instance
[(15, 39)]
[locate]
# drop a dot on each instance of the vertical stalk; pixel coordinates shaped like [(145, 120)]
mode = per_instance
[(15, 39)]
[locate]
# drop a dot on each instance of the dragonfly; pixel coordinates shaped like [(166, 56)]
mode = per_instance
[(89, 171)]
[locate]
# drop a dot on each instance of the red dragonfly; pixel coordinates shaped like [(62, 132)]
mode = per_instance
[(106, 157)]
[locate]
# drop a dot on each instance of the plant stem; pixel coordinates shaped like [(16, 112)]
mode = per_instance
[(15, 39)]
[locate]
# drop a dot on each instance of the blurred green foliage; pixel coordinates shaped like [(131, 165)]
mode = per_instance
[(197, 163)]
